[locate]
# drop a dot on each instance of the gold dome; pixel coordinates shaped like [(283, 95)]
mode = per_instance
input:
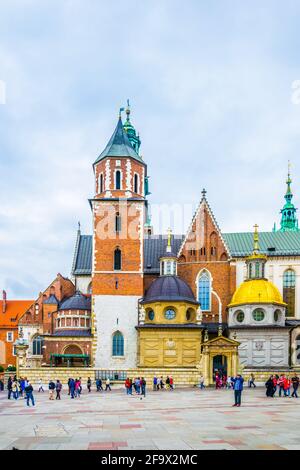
[(256, 291)]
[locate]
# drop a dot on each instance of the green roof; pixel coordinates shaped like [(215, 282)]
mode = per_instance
[(119, 145), (271, 243)]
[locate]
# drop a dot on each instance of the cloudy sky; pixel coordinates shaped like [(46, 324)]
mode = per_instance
[(210, 85)]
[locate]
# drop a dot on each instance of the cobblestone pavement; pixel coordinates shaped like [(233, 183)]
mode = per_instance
[(182, 419)]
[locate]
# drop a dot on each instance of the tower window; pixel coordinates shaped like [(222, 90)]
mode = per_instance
[(100, 185), (118, 344), (136, 183), (117, 259), (289, 286), (204, 291), (118, 180), (118, 222)]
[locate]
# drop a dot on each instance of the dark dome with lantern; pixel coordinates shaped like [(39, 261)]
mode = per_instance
[(169, 288), (78, 301)]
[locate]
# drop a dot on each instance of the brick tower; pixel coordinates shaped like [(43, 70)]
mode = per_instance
[(119, 210)]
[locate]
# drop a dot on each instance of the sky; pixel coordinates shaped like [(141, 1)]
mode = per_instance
[(214, 91)]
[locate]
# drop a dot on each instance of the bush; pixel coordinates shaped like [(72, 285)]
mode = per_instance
[(11, 369), (1, 369)]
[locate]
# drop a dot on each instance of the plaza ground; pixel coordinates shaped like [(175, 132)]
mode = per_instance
[(182, 419)]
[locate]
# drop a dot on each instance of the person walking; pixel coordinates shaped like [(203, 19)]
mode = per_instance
[(238, 388), (107, 385), (77, 388), (9, 387), (143, 386), (29, 394), (161, 383), (280, 383), (201, 382), (167, 382), (99, 385), (275, 383), (251, 381), (295, 383), (40, 384), (287, 387), (58, 388), (51, 387), (71, 387), (89, 384), (127, 385), (15, 389), (137, 386), (270, 387), (171, 383), (155, 383)]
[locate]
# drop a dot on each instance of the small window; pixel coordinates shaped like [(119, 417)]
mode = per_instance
[(9, 336), (151, 315), (136, 183), (118, 180), (258, 314), (277, 315), (36, 309), (100, 187), (240, 316), (37, 345), (118, 222), (117, 259)]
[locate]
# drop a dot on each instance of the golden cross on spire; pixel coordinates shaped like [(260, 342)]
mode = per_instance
[(169, 236), (255, 239)]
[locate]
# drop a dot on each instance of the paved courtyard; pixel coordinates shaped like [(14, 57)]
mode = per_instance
[(182, 419)]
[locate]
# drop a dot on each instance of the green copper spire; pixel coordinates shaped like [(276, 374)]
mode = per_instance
[(289, 221), (130, 131)]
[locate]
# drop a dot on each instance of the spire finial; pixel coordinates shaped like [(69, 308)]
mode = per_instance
[(255, 240), (127, 111), (120, 111), (79, 226), (169, 237), (203, 192)]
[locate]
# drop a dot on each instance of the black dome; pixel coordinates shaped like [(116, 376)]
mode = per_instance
[(169, 288), (76, 302)]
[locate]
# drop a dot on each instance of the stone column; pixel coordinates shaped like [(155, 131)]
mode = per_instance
[(21, 347), (206, 372)]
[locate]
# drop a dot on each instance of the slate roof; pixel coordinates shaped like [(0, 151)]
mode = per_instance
[(119, 145), (169, 288), (51, 300), (84, 333), (239, 244), (76, 302), (271, 243)]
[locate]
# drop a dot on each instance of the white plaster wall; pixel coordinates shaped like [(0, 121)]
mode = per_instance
[(275, 268), (262, 348), (112, 313)]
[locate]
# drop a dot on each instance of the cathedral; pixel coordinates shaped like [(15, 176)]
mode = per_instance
[(200, 301)]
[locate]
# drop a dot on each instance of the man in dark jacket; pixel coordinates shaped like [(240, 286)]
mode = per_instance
[(9, 387), (29, 393), (58, 388), (238, 388), (295, 382), (72, 387), (51, 387)]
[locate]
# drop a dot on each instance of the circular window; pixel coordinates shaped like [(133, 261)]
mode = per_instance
[(240, 316), (277, 315), (258, 314), (151, 315), (170, 314)]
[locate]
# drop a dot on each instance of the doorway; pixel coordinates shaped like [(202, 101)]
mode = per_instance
[(220, 365)]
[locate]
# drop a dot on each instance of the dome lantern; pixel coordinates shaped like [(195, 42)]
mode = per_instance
[(168, 261), (256, 262)]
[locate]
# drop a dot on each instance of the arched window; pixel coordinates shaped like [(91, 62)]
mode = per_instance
[(118, 344), (204, 291), (117, 258), (89, 289), (100, 186), (289, 285), (118, 222), (37, 345), (136, 183), (118, 180)]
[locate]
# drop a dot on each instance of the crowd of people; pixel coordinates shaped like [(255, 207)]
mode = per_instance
[(20, 388), (283, 385)]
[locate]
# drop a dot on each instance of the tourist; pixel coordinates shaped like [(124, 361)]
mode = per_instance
[(295, 382), (280, 383), (40, 384), (143, 386), (22, 386), (167, 382), (29, 393), (270, 387), (201, 382), (154, 383), (127, 386), (71, 384), (99, 385), (1, 385), (77, 388), (171, 383), (89, 384), (9, 387), (275, 383), (58, 388), (238, 388), (287, 387), (51, 387), (15, 389), (80, 386), (218, 381), (69, 380), (161, 383), (229, 383), (251, 381), (137, 386), (107, 385)]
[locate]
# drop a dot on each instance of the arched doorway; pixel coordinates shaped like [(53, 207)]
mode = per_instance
[(220, 365)]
